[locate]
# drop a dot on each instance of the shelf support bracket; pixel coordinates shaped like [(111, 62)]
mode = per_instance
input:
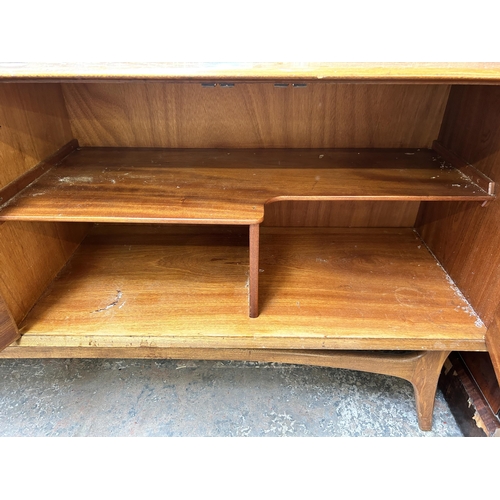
[(471, 172), (16, 186)]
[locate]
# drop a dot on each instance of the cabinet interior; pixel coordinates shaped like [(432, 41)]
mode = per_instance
[(208, 260)]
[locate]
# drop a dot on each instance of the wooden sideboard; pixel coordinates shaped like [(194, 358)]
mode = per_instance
[(339, 215)]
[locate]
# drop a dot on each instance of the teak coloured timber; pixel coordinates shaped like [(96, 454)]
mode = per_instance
[(410, 264)]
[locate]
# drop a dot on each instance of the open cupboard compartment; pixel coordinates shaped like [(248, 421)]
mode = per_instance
[(344, 224)]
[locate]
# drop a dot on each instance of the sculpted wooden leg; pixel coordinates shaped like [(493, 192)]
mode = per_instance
[(424, 380), (422, 369)]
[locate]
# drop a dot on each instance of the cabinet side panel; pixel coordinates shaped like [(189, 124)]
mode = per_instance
[(8, 327), (493, 343), (31, 254), (255, 115), (465, 237), (33, 124)]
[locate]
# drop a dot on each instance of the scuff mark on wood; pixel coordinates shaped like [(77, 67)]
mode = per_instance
[(113, 304)]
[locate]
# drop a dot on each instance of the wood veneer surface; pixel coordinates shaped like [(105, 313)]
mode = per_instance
[(8, 327), (31, 254), (34, 124), (465, 237), (382, 71), (187, 287), (341, 213), (258, 115), (493, 343), (228, 186)]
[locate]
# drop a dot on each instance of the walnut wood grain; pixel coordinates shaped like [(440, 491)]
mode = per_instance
[(227, 186), (321, 289), (8, 328), (381, 71), (258, 115)]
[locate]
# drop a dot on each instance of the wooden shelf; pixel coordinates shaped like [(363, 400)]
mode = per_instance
[(133, 286), (219, 186)]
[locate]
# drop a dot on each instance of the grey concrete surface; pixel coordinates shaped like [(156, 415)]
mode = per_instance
[(81, 397)]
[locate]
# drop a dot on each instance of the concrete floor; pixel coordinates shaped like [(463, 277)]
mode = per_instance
[(81, 397)]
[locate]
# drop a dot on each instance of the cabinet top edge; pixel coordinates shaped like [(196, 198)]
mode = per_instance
[(487, 72)]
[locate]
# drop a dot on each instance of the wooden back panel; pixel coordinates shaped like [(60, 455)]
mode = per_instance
[(249, 115), (341, 214), (255, 115), (33, 125)]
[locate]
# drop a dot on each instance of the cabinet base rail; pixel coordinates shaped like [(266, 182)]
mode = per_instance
[(420, 368)]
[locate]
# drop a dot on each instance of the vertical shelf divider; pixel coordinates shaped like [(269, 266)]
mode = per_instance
[(253, 284)]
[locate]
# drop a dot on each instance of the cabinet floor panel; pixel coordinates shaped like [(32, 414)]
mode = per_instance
[(229, 186), (174, 286)]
